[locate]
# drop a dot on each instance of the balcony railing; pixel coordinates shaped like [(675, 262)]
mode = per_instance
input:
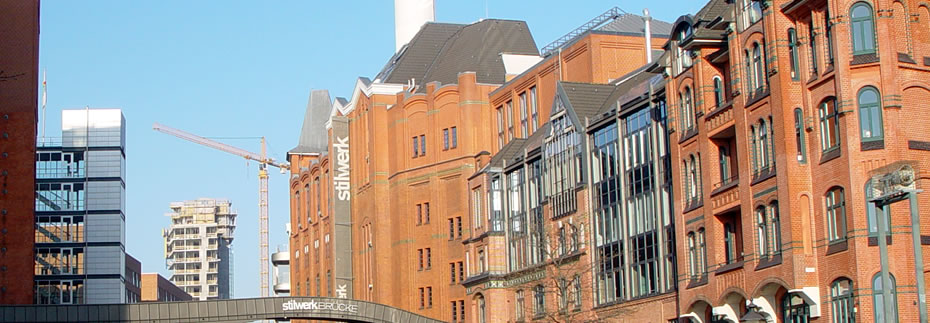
[(726, 183)]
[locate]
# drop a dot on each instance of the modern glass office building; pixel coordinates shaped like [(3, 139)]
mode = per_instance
[(80, 203)]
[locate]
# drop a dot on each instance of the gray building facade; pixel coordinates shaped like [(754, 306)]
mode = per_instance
[(198, 247), (80, 203)]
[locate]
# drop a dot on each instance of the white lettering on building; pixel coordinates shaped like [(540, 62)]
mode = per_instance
[(312, 305), (341, 179)]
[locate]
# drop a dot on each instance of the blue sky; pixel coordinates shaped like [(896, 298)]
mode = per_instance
[(237, 69)]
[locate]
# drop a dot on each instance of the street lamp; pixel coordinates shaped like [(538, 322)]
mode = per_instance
[(754, 314)]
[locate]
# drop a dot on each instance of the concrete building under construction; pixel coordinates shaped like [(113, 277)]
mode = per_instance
[(197, 247)]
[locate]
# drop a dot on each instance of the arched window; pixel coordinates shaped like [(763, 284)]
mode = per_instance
[(702, 250), (870, 115), (829, 125), (793, 50), (841, 301), (812, 46), (762, 231), (539, 300), (863, 28), (799, 135), (692, 255), (775, 223), (795, 310), (749, 85), (878, 300), (719, 97), (688, 109), (482, 309), (763, 146), (692, 178), (758, 66), (836, 214)]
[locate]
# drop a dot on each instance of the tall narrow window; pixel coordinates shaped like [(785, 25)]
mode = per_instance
[(878, 299), (724, 154), (793, 50), (719, 98), (455, 137), (775, 223), (500, 127), (539, 303), (482, 310), (523, 122), (812, 46), (871, 212), (729, 239), (509, 116), (863, 29), (445, 139), (763, 149), (870, 115), (692, 179), (841, 301), (533, 112), (829, 125), (762, 231), (828, 36), (520, 307), (749, 74), (836, 214), (416, 147), (692, 255), (758, 66), (702, 250), (799, 135), (422, 145)]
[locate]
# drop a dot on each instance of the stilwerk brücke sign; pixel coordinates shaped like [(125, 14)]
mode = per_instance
[(294, 305)]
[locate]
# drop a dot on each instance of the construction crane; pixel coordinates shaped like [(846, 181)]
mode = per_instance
[(263, 163)]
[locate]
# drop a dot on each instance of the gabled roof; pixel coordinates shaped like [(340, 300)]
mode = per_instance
[(586, 98), (313, 135), (439, 52), (414, 59), (630, 86), (478, 47), (712, 10)]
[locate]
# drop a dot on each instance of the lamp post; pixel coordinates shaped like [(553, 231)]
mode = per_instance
[(754, 314)]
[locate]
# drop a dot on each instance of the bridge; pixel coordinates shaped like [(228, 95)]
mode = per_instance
[(230, 310)]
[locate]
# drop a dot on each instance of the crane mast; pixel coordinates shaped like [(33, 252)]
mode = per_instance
[(263, 163)]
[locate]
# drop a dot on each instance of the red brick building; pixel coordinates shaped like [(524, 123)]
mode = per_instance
[(19, 80), (783, 112)]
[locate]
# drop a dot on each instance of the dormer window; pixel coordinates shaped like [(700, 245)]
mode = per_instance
[(751, 12), (683, 55)]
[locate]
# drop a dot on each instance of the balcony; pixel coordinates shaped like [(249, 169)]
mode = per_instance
[(719, 118), (725, 184)]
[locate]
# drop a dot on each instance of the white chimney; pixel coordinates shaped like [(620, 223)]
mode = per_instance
[(409, 16), (648, 34)]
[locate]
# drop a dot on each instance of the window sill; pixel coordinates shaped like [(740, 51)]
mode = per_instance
[(838, 246), (926, 61), (862, 59), (918, 145), (905, 58), (697, 281), (694, 205), (687, 134), (829, 155), (725, 186), (756, 96), (924, 240), (873, 145), (764, 175), (736, 265), (873, 240), (769, 261)]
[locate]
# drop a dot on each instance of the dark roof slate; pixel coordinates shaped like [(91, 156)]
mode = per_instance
[(439, 52), (510, 151), (313, 135), (586, 98), (633, 24)]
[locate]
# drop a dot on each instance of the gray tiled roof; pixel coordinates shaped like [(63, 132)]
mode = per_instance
[(510, 151), (632, 85), (586, 98), (313, 135), (633, 24), (439, 52), (712, 10)]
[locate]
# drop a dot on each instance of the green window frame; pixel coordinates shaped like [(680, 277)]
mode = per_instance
[(836, 214), (812, 47), (878, 304), (842, 302), (719, 99), (799, 135), (793, 50), (870, 114), (862, 28), (829, 125)]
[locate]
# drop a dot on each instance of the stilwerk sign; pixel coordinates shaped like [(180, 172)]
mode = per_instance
[(294, 305), (341, 180)]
